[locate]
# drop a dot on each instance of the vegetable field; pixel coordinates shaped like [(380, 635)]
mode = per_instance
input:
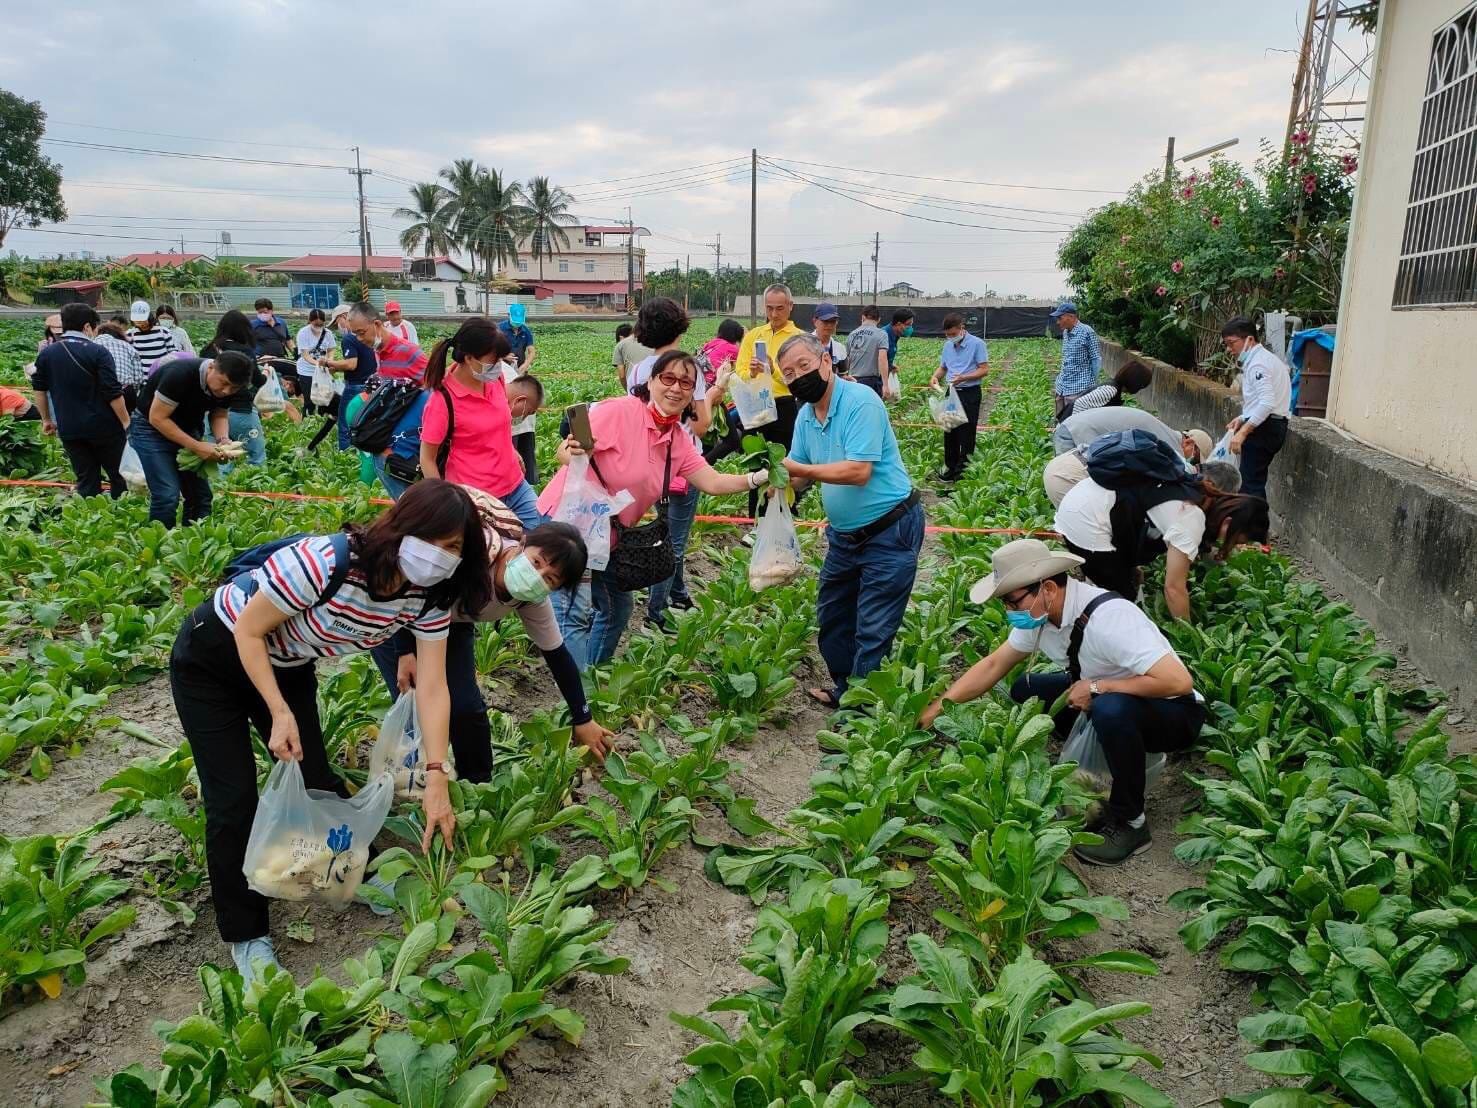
[(753, 903)]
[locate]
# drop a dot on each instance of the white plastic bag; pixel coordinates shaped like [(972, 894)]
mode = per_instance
[(132, 468), (399, 752), (947, 409), (309, 844), (776, 559), (585, 504), (754, 399), (1222, 451), (270, 398), (321, 391), (1082, 747)]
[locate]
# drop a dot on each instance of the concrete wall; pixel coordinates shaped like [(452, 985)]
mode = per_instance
[(1399, 541), (1402, 379)]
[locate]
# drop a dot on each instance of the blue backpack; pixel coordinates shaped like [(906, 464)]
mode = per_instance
[(242, 568)]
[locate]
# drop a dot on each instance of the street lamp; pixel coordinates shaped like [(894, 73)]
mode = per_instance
[(1209, 150)]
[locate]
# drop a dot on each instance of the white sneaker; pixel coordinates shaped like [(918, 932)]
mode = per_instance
[(252, 957), (386, 887)]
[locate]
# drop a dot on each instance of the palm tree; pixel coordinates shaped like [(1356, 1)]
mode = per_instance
[(492, 218), (548, 215), (428, 222), (461, 178)]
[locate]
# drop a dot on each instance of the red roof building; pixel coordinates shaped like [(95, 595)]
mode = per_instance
[(157, 261)]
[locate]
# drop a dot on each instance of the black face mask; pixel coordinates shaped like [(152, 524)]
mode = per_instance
[(809, 387)]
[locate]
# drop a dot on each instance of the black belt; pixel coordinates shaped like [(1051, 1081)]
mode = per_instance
[(884, 521)]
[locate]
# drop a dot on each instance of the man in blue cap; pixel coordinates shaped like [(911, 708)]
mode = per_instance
[(520, 338), (1082, 359), (825, 318)]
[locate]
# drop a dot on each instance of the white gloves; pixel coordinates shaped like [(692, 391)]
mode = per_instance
[(725, 377), (758, 477)]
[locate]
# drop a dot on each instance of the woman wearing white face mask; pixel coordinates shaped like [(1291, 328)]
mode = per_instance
[(467, 426), (525, 570), (246, 657)]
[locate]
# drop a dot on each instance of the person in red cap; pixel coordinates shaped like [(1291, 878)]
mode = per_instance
[(399, 326)]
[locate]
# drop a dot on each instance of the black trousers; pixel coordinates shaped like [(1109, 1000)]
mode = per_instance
[(471, 734), (525, 443), (217, 706), (959, 442), (1108, 569), (782, 431), (731, 438), (1127, 727), (1257, 452), (90, 457)]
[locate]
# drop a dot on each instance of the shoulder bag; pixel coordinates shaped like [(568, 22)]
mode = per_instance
[(641, 556)]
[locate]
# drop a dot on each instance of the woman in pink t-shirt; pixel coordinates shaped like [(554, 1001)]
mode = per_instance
[(633, 435), (466, 371)]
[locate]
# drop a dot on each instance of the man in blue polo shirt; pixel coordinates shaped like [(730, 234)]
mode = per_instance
[(965, 360), (844, 441), (520, 338)]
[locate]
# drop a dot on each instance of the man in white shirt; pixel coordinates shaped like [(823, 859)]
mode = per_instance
[(1266, 404), (397, 324), (1122, 671), (825, 319)]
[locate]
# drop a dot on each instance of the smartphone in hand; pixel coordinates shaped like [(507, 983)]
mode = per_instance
[(579, 426)]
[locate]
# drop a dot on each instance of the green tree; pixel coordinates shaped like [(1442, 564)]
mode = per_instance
[(428, 220), (548, 215), (226, 273), (802, 277), (30, 183), (130, 282), (486, 214)]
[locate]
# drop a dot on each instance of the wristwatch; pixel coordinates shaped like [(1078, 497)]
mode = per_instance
[(1092, 688), (437, 765)]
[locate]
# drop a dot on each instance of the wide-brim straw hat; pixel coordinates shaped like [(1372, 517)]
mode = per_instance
[(1018, 564)]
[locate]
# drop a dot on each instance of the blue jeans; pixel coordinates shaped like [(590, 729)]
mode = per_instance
[(393, 485), (470, 731), (680, 512), (246, 428), (864, 587), (592, 619), (524, 503), (167, 482)]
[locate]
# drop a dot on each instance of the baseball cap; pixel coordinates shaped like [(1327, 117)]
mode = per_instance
[(826, 311), (338, 310), (139, 311), (1203, 442), (517, 313), (1063, 308), (392, 306)]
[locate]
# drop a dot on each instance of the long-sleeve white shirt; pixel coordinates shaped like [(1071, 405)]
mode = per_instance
[(1266, 386)]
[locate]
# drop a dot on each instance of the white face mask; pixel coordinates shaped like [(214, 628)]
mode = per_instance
[(425, 563), (265, 317), (317, 328)]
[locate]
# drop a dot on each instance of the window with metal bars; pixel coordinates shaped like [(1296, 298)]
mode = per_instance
[(1438, 252)]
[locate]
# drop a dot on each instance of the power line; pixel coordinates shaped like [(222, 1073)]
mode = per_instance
[(187, 138), (156, 238), (953, 180), (857, 191), (895, 194), (657, 188), (656, 173), (188, 155), (145, 186)]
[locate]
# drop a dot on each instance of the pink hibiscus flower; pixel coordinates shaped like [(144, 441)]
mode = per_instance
[(1177, 266), (1161, 291)]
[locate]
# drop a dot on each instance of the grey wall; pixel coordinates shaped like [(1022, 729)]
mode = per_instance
[(1399, 541)]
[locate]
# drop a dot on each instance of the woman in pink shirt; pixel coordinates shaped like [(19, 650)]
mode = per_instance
[(466, 372), (633, 437)]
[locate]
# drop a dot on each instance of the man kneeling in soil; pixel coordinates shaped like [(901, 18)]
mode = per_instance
[(1119, 668)]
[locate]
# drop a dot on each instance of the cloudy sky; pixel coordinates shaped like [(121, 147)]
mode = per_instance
[(1009, 119)]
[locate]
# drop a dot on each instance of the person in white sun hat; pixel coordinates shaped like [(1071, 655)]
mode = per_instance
[(1118, 667)]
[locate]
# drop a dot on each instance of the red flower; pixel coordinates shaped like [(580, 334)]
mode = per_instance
[(1161, 291), (1279, 272), (1299, 137), (1294, 158), (1194, 177), (1349, 163), (1310, 183), (1215, 221), (1187, 192), (1177, 266)]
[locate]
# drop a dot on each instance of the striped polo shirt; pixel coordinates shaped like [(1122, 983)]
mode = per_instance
[(152, 344), (352, 621), (399, 359)]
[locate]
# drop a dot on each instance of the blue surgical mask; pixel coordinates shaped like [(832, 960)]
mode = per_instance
[(1023, 621), (908, 331), (1241, 357)]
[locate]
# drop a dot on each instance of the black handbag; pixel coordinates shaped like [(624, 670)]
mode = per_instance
[(641, 556)]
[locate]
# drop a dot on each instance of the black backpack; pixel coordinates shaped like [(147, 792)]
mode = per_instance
[(1145, 472), (241, 568), (373, 428)]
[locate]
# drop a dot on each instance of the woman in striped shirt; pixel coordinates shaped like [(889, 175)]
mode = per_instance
[(246, 658), (150, 340)]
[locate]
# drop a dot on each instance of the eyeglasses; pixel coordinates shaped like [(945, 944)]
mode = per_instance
[(1020, 598), (672, 381)]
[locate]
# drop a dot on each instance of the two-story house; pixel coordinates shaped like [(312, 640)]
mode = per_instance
[(590, 273)]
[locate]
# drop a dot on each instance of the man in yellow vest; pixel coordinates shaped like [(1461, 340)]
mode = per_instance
[(776, 329)]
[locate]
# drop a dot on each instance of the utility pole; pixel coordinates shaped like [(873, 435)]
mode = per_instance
[(1169, 162), (359, 175), (754, 235), (861, 282), (630, 261), (718, 273), (876, 249), (687, 284)]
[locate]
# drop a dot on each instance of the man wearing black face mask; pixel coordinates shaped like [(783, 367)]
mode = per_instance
[(844, 441)]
